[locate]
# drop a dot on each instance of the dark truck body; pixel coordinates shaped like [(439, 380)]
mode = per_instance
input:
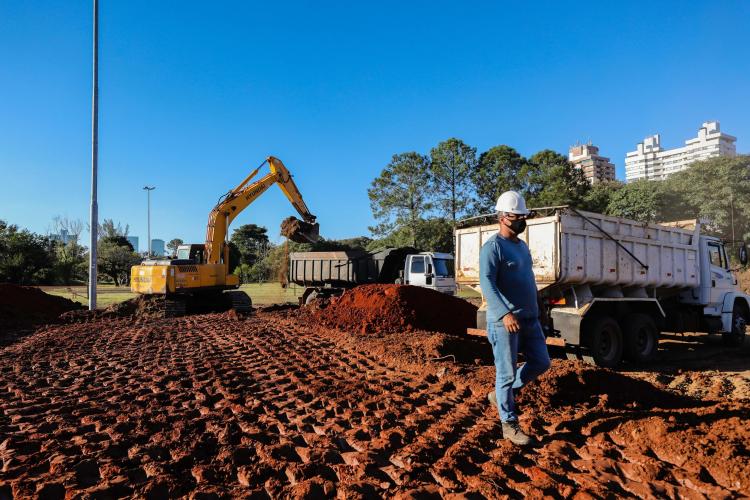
[(347, 268)]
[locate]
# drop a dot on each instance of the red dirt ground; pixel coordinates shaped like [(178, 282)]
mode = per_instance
[(397, 308), (273, 406), (23, 307)]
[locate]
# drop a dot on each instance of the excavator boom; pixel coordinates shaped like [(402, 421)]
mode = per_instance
[(236, 200)]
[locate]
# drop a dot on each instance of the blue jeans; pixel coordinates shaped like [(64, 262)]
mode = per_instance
[(505, 348)]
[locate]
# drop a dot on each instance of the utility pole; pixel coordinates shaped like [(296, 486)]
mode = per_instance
[(94, 215), (148, 195)]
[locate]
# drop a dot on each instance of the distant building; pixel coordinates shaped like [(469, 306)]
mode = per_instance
[(63, 237), (157, 247), (595, 168), (133, 241), (650, 161)]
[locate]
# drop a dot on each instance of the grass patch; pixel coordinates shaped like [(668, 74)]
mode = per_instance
[(260, 293)]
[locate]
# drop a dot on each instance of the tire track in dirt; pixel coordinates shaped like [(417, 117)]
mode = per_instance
[(271, 406)]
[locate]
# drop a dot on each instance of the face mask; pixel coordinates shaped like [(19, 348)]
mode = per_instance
[(517, 226)]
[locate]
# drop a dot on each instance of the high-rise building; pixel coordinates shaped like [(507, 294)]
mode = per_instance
[(157, 247), (63, 237), (651, 161), (133, 241), (595, 168)]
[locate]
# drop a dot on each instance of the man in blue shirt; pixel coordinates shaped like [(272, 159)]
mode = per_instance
[(508, 286)]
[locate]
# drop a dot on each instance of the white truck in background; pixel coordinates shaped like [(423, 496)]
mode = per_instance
[(608, 286)]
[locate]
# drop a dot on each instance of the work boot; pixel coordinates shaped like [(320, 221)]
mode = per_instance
[(513, 433)]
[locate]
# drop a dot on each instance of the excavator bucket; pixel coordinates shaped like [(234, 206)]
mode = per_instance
[(300, 231)]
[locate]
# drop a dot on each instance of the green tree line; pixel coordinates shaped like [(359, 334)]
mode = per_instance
[(418, 198), (29, 258)]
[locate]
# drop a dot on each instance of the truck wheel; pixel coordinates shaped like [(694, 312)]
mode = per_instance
[(736, 337), (641, 338), (604, 342)]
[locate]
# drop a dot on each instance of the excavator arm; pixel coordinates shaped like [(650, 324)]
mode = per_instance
[(236, 200)]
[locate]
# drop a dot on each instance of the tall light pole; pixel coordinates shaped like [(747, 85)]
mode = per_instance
[(148, 190), (94, 215)]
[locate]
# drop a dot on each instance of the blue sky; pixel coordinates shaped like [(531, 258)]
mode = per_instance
[(193, 95)]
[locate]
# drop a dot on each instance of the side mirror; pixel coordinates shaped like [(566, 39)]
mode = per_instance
[(742, 254)]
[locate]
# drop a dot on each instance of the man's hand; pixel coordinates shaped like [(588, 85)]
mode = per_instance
[(511, 323)]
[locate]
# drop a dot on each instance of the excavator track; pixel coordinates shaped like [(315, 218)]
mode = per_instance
[(240, 301), (175, 307)]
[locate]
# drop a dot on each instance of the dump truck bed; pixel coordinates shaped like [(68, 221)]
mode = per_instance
[(342, 268), (346, 268), (575, 247)]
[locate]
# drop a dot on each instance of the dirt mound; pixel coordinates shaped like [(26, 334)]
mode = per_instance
[(24, 307), (579, 384), (397, 308), (142, 306)]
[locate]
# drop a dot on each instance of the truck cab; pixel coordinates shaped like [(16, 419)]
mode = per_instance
[(431, 270)]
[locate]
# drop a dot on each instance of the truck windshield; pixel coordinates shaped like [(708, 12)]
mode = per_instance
[(443, 267)]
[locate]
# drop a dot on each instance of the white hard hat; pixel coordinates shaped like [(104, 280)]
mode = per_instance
[(511, 202)]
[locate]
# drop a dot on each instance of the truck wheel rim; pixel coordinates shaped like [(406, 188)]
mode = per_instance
[(606, 344), (643, 340)]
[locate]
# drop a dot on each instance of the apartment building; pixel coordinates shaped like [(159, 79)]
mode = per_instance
[(595, 168), (651, 161)]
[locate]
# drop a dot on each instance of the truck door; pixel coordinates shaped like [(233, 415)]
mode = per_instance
[(721, 279), (416, 267)]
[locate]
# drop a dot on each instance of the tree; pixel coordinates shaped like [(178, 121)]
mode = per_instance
[(70, 262), (70, 227), (434, 234), (552, 180), (499, 170), (108, 229), (115, 257), (598, 197), (174, 244), (640, 200), (716, 189), (25, 257), (451, 164), (399, 196), (252, 242)]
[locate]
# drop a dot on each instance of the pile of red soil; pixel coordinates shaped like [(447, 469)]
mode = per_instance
[(397, 308), (23, 307), (142, 306)]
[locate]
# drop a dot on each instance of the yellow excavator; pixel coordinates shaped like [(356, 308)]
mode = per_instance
[(198, 278)]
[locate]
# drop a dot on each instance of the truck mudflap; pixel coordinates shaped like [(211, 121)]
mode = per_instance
[(567, 321)]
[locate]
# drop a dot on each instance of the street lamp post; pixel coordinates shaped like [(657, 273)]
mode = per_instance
[(148, 190), (94, 214)]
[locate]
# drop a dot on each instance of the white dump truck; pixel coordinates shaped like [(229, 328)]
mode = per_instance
[(608, 286)]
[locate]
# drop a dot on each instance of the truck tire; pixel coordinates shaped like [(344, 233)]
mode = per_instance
[(736, 337), (641, 338), (603, 339)]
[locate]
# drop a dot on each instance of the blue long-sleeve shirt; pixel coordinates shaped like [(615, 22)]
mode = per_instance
[(507, 279)]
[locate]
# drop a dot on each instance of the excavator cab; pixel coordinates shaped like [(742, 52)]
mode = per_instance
[(194, 253)]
